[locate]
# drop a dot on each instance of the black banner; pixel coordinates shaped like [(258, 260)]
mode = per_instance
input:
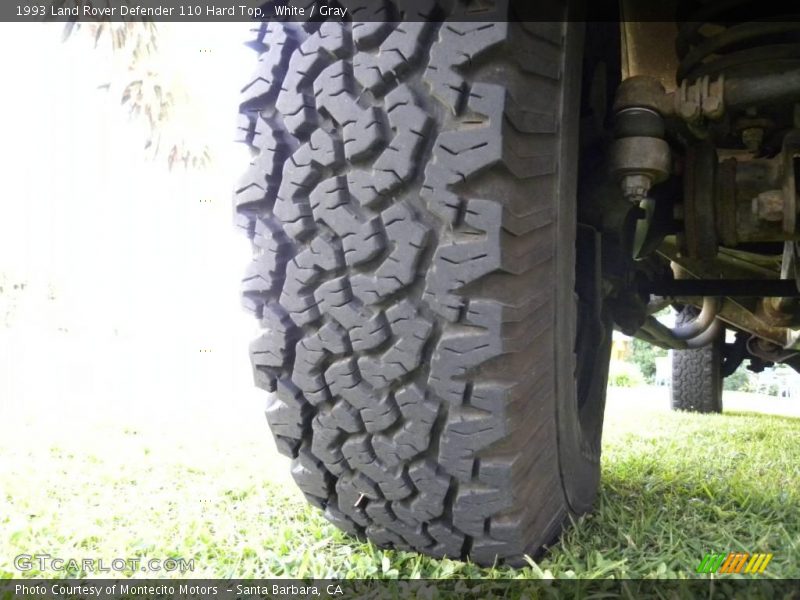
[(362, 10), (285, 589)]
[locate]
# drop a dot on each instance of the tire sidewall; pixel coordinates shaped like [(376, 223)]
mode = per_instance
[(578, 450)]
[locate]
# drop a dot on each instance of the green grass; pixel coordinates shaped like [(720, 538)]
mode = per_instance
[(675, 486)]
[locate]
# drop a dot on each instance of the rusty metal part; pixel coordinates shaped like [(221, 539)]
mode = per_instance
[(692, 102), (699, 196), (638, 163), (752, 129), (702, 99), (740, 318), (752, 138), (698, 48), (708, 98), (736, 314), (752, 178), (789, 153), (777, 311), (643, 92), (739, 312), (769, 205), (732, 264), (739, 201), (638, 121), (755, 90), (640, 157), (751, 120), (783, 311), (790, 262), (726, 202), (769, 351)]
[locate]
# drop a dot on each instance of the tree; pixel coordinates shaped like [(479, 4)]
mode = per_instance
[(644, 356), (153, 95)]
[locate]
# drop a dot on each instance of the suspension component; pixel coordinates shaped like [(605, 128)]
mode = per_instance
[(733, 38), (655, 332), (732, 119), (743, 199), (693, 102), (640, 157), (701, 323)]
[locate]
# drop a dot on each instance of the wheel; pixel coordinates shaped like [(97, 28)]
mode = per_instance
[(411, 205), (697, 374)]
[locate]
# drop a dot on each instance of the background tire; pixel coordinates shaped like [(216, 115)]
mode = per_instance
[(697, 374), (411, 204)]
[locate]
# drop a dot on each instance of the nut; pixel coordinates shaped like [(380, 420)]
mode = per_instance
[(768, 206), (635, 187), (638, 163), (752, 138)]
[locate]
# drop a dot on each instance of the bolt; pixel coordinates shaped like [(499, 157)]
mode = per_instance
[(768, 206), (752, 138), (635, 187)]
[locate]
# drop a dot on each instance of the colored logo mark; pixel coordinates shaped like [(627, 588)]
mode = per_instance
[(734, 562)]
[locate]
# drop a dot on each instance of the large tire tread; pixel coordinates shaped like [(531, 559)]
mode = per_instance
[(697, 375), (403, 236)]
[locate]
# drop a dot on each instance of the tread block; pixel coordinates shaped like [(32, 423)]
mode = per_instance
[(288, 415), (372, 21), (449, 541), (311, 476), (411, 332), (399, 53), (376, 408), (367, 328), (307, 268), (399, 269), (459, 45), (351, 488), (433, 487), (456, 263), (301, 173), (413, 438), (265, 274), (326, 443), (296, 98), (274, 347), (310, 353), (272, 63), (362, 238)]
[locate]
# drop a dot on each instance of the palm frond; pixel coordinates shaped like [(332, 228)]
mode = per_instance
[(151, 93)]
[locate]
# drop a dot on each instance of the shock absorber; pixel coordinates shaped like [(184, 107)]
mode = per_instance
[(640, 156)]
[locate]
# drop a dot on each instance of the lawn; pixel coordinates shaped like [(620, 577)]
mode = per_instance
[(675, 486)]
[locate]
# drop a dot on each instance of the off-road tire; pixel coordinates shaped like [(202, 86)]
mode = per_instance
[(697, 374), (411, 204)]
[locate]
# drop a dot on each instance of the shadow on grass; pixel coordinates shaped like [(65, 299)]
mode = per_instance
[(666, 501)]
